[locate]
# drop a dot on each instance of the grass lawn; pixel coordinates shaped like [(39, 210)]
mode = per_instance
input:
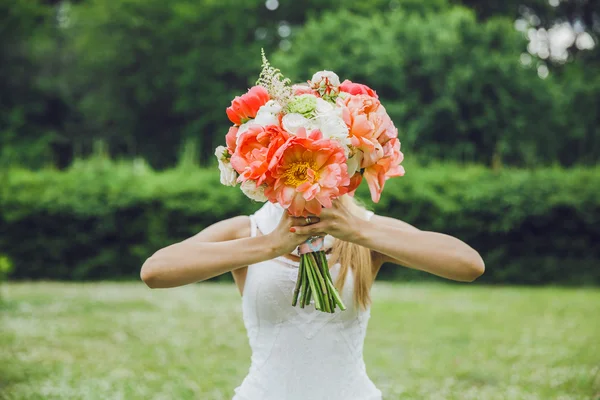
[(425, 341)]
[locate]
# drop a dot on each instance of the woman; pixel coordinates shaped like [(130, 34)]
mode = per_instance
[(301, 353)]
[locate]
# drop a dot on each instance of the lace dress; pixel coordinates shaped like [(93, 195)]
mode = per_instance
[(300, 353)]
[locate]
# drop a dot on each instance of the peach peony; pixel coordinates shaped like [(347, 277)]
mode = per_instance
[(385, 168), (245, 107), (370, 127), (357, 88), (230, 139), (308, 172), (254, 150)]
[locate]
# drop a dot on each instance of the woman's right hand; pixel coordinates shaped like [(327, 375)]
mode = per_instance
[(286, 241)]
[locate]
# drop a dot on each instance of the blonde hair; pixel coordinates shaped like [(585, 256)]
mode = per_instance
[(359, 258)]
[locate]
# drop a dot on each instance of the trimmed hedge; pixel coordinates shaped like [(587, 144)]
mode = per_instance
[(101, 219)]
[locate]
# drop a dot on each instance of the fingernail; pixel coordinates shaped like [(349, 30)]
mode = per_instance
[(292, 230)]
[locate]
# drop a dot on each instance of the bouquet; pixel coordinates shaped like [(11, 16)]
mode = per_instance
[(302, 146)]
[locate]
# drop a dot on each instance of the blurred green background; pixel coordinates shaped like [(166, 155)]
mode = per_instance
[(110, 111)]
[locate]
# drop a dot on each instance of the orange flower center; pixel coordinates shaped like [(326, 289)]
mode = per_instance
[(297, 173)]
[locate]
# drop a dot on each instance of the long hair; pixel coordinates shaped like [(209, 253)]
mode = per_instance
[(359, 258)]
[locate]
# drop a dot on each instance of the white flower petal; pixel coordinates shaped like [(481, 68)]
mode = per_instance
[(272, 107), (265, 119), (256, 193), (334, 127), (228, 174), (354, 163), (292, 122), (320, 76), (323, 107), (220, 152)]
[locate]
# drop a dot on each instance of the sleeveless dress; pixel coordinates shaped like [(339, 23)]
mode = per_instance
[(300, 354)]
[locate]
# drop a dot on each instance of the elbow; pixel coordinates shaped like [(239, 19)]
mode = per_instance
[(148, 274), (475, 267)]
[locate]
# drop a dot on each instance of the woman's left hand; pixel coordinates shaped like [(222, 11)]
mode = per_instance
[(336, 221)]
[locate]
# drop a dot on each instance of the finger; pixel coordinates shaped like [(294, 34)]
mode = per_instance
[(301, 221), (313, 229), (329, 214)]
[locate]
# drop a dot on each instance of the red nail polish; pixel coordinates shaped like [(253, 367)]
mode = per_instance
[(292, 230)]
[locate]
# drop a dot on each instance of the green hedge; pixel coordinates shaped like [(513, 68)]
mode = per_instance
[(102, 219)]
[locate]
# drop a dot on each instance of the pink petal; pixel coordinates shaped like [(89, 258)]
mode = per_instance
[(286, 196), (297, 205), (313, 207)]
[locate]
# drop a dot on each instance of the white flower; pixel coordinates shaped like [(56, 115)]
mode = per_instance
[(323, 107), (221, 153), (354, 163), (256, 193), (271, 107), (320, 76), (265, 119), (292, 122), (333, 127), (228, 174), (267, 114)]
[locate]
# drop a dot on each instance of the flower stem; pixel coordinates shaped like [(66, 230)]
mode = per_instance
[(327, 277), (305, 287), (319, 276), (308, 292), (298, 282), (313, 285), (336, 296)]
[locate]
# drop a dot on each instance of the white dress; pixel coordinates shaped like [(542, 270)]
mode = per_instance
[(300, 353)]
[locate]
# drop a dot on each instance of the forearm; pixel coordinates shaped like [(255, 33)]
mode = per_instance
[(188, 262), (436, 253)]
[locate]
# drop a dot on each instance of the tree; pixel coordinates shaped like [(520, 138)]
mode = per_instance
[(30, 117), (453, 86)]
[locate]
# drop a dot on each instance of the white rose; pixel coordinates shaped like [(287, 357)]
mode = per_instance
[(221, 153), (228, 174), (292, 122), (256, 193), (271, 107), (320, 76), (323, 107), (354, 163), (334, 127), (265, 118)]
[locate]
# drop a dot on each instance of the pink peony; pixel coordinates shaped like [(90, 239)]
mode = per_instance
[(370, 127), (372, 131), (357, 88), (386, 167), (245, 107), (255, 148), (355, 181), (308, 172), (231, 138)]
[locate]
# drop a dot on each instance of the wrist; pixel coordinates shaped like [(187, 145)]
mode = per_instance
[(361, 232), (273, 245)]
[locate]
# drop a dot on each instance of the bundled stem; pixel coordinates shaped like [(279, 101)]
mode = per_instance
[(314, 280)]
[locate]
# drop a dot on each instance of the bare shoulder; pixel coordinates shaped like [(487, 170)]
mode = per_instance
[(227, 229), (380, 219)]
